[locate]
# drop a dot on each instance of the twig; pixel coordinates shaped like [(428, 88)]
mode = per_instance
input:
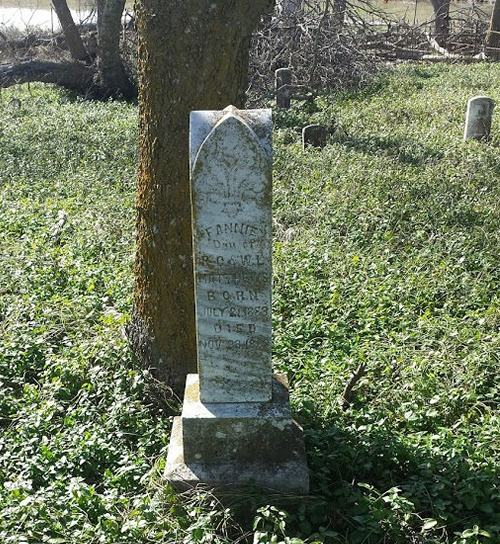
[(346, 398)]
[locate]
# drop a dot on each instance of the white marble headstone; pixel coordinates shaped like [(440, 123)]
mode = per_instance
[(231, 193)]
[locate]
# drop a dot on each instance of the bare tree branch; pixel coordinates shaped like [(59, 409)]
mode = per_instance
[(351, 384)]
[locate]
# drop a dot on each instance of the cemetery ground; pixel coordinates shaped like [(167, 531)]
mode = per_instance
[(386, 254)]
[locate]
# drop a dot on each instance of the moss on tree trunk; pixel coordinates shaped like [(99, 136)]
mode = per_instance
[(193, 55)]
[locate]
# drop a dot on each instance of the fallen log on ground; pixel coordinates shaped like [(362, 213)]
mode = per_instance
[(72, 75)]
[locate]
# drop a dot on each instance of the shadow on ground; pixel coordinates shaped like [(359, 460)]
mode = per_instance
[(369, 486)]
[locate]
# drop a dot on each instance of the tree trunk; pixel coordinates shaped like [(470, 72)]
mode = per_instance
[(100, 9), (493, 36), (109, 78), (112, 76), (193, 55), (441, 20), (71, 34)]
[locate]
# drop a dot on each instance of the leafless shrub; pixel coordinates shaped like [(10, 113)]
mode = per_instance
[(340, 44), (323, 50)]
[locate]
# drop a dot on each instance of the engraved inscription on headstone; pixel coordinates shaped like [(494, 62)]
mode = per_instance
[(478, 118), (231, 202)]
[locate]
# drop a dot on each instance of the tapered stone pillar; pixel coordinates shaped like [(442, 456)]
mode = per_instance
[(282, 82), (236, 427)]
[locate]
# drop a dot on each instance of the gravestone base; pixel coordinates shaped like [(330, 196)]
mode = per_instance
[(254, 444)]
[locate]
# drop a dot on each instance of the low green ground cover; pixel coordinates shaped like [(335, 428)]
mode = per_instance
[(386, 253)]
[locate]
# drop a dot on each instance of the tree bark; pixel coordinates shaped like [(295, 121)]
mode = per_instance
[(100, 9), (441, 20), (112, 75), (72, 75), (71, 34), (193, 55), (493, 36)]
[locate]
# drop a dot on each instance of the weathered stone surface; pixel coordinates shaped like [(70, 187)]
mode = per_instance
[(244, 432), (236, 428), (231, 167), (314, 135), (289, 8), (238, 444), (478, 118), (283, 80)]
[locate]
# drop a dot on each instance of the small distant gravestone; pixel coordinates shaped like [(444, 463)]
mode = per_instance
[(289, 8), (314, 135), (15, 103), (236, 427), (283, 80), (478, 118)]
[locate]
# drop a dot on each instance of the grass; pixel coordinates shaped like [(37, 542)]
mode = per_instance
[(386, 253)]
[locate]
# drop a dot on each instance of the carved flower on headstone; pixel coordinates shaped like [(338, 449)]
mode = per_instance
[(229, 167)]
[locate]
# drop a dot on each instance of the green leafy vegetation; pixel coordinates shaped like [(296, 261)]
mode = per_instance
[(386, 254)]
